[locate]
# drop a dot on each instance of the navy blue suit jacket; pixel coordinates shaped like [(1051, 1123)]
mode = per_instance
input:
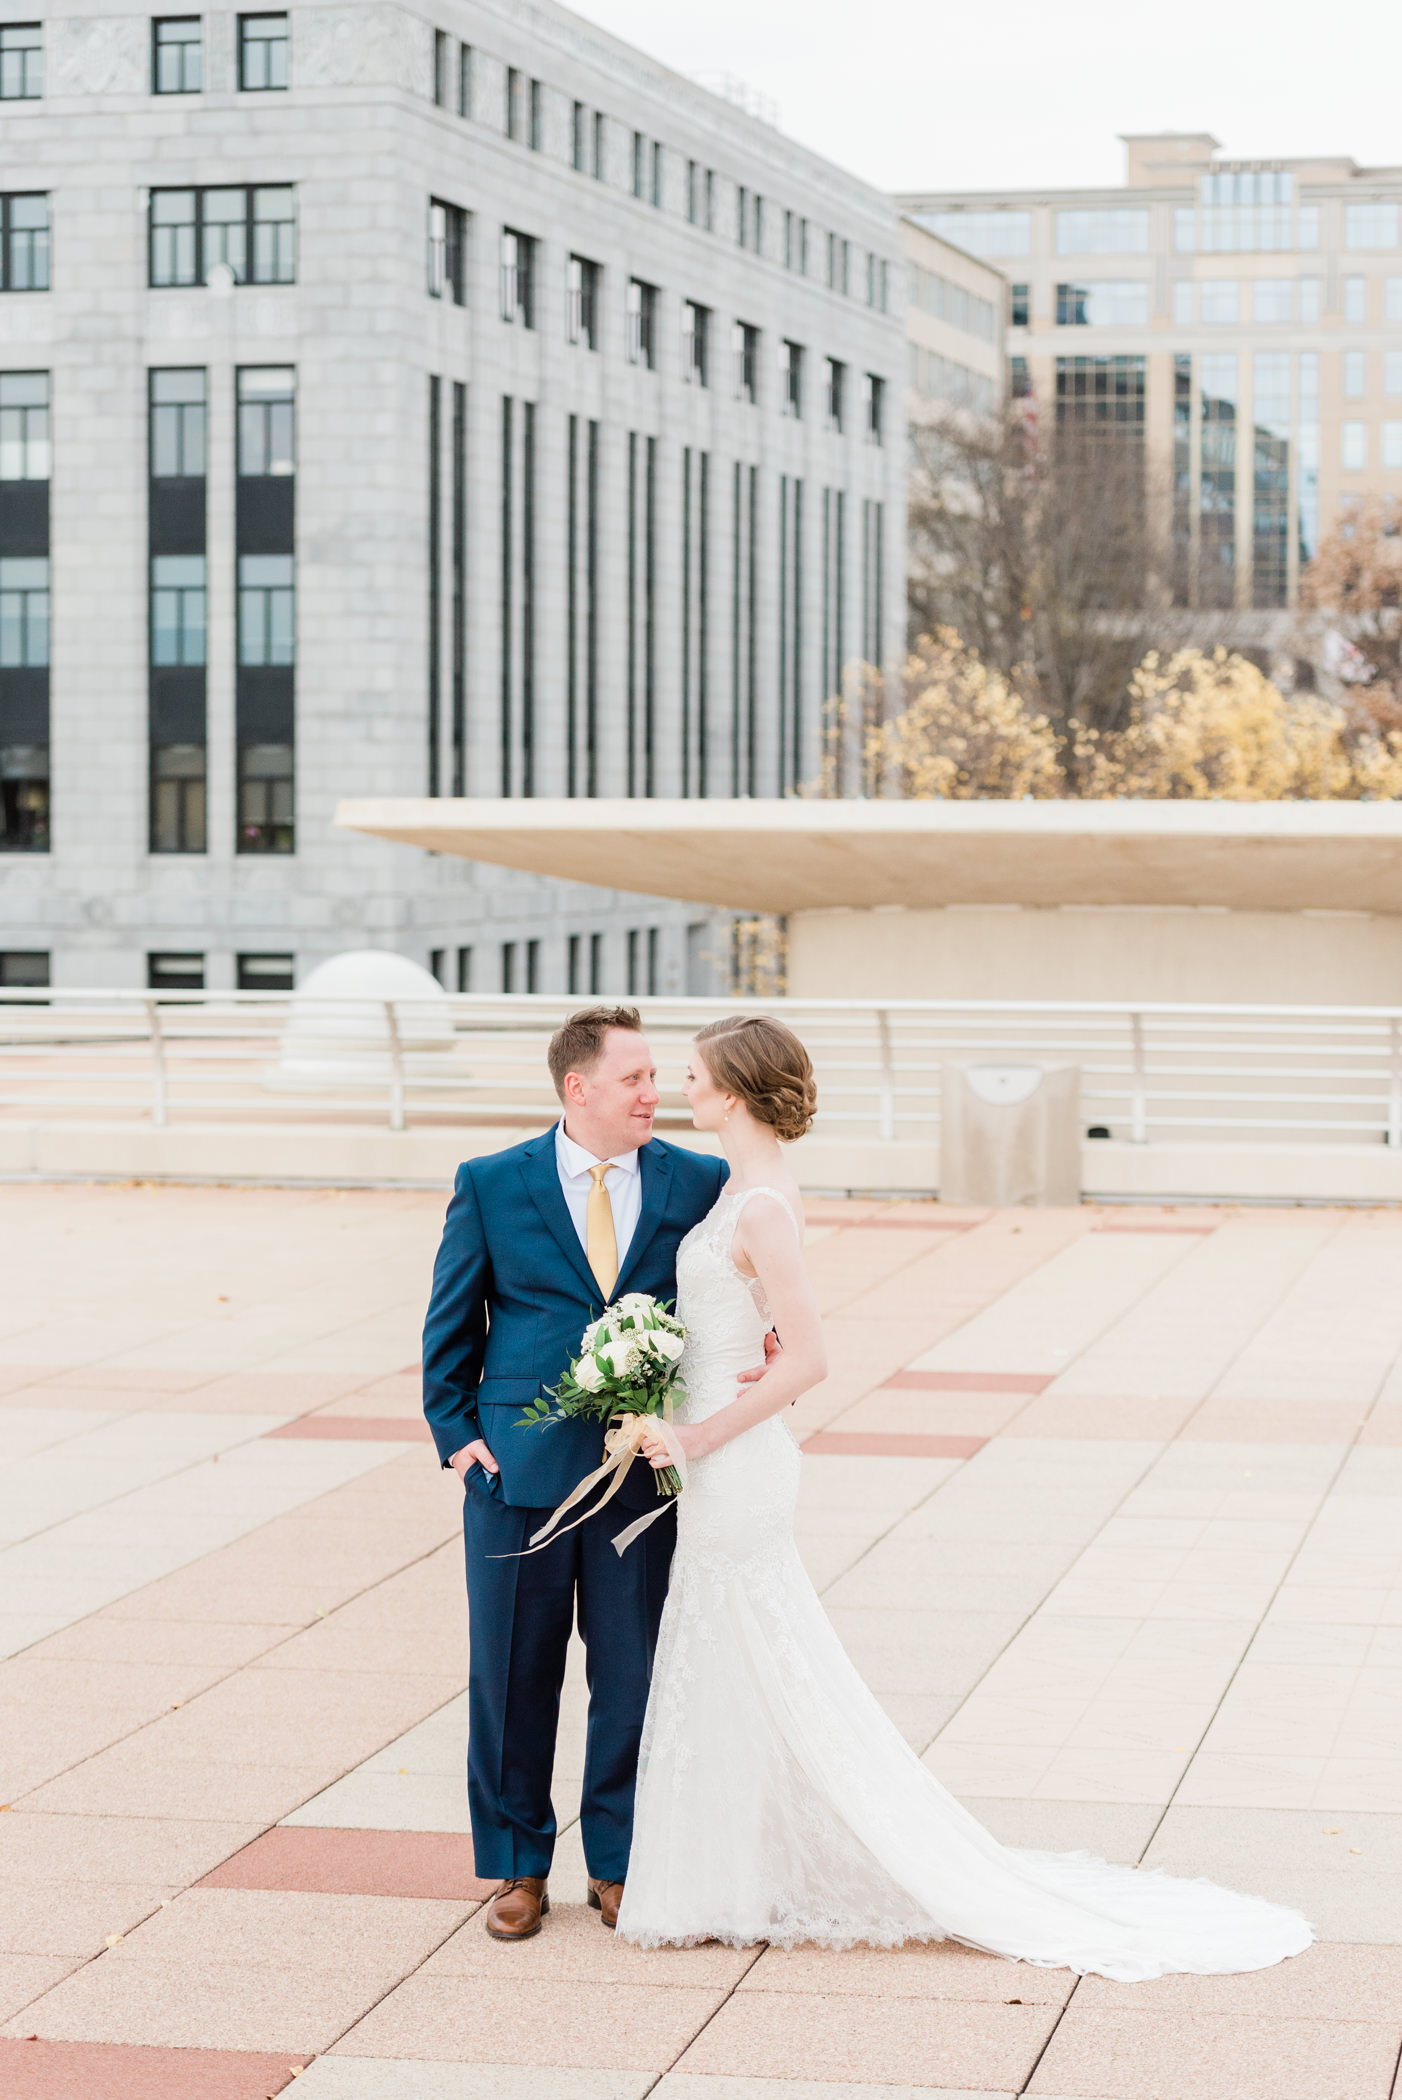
[(512, 1295)]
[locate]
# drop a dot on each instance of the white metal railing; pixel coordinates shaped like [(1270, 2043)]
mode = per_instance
[(1271, 1073)]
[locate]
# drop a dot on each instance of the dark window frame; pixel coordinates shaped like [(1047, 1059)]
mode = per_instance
[(447, 272), (180, 46), (199, 224), (39, 239), (247, 43), (30, 71)]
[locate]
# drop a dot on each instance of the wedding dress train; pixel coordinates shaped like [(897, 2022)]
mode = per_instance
[(776, 1801)]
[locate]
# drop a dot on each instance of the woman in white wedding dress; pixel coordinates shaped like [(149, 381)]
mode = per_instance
[(776, 1801)]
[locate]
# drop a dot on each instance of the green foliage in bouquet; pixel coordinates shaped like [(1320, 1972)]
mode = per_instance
[(627, 1365)]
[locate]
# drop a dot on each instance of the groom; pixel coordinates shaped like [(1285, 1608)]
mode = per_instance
[(537, 1239)]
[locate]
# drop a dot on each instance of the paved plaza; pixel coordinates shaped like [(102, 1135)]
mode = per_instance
[(1107, 1506)]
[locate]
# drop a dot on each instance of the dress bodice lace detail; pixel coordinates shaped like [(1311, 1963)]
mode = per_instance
[(724, 1311)]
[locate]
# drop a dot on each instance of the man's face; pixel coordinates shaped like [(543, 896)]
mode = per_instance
[(610, 1109)]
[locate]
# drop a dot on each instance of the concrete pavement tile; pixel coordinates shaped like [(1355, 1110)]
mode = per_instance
[(574, 1946), (1334, 1982), (393, 1801), (355, 1862), (42, 2070), (105, 1850), (1199, 2056), (630, 2028), (941, 1969), (110, 1637), (297, 1929), (1078, 1415), (24, 1977), (923, 2042), (169, 2005), (379, 2078), (686, 2085), (70, 1918), (125, 1782)]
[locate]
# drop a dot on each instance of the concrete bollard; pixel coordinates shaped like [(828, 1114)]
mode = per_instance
[(1010, 1133)]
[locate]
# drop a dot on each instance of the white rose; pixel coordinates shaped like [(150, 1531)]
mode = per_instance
[(635, 1302), (588, 1374), (667, 1344), (620, 1356)]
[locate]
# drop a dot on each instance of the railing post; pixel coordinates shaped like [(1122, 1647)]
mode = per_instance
[(158, 1065), (1394, 1092), (888, 1075), (396, 1069), (1139, 1127)]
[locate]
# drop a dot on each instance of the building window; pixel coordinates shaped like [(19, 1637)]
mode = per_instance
[(1019, 305), (178, 609), (1355, 370), (745, 344), (695, 194), (1353, 452), (533, 966), (574, 959), (177, 56), (515, 104), (1355, 298), (21, 968), (832, 394), (642, 323), (175, 973), (634, 946), (250, 232), (582, 301), (24, 612), (1105, 232), (517, 288), (1392, 299), (600, 124), (178, 798), (1020, 379), (24, 242), (579, 139), (696, 329), (982, 232), (464, 80), (265, 798), (267, 625), (508, 966), (639, 163), (21, 62), (442, 44), (791, 378), (742, 214), (1273, 299), (875, 409), (1103, 303), (24, 426), (1392, 374), (710, 216), (446, 242), (262, 51), (537, 116), (265, 973), (265, 441), (1221, 301), (656, 191), (1371, 225), (1392, 444), (464, 976)]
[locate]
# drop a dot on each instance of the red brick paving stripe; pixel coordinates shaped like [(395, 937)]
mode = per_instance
[(317, 1862), (119, 2071), (843, 1443), (967, 1382), (352, 1429)]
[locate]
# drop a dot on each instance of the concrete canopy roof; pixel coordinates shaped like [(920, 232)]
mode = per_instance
[(789, 856)]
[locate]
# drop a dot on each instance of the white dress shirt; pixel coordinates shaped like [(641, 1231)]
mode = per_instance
[(623, 1181)]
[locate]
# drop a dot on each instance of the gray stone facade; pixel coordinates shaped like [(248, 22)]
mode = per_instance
[(701, 662)]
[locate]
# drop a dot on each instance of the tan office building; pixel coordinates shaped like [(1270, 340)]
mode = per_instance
[(955, 318), (1243, 318)]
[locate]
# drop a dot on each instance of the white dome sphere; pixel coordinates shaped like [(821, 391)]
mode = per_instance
[(369, 973), (338, 1028)]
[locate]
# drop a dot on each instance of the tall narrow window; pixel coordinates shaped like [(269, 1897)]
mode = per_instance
[(515, 104), (742, 215), (791, 378), (464, 80), (178, 616), (262, 51), (446, 245), (695, 638), (24, 612), (791, 621), (442, 46), (264, 527), (435, 580), (21, 61), (833, 623), (518, 591), (537, 116), (639, 163), (710, 206), (642, 323), (517, 278), (582, 302), (833, 393), (873, 582), (177, 55), (458, 468), (1270, 415), (875, 406), (744, 627), (657, 175), (582, 609), (694, 194), (641, 683), (574, 964), (579, 139), (696, 329), (24, 242), (596, 962), (1217, 381), (600, 130)]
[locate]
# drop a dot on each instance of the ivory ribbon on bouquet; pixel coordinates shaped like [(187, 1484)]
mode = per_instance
[(622, 1443)]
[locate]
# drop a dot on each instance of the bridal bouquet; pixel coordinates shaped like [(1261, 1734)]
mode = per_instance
[(626, 1368)]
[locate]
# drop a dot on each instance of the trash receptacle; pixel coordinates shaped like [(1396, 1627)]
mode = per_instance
[(1010, 1133)]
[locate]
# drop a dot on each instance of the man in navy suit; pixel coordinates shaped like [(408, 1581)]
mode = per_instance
[(537, 1239)]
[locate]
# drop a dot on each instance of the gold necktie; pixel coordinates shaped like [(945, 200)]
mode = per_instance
[(600, 1243)]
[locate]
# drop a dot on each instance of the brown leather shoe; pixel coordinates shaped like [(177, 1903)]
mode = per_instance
[(517, 1908), (605, 1897)]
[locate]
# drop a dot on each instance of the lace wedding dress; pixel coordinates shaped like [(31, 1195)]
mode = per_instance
[(777, 1802)]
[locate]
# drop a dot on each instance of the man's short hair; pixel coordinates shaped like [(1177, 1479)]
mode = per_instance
[(578, 1046)]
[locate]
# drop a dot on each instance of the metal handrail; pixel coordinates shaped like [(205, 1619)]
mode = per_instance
[(1150, 1069)]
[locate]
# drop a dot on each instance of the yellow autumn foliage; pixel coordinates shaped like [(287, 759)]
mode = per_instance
[(964, 734)]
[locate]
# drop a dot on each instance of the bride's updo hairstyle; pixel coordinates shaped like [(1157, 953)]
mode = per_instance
[(766, 1066)]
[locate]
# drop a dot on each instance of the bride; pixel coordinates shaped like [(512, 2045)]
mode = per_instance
[(775, 1800)]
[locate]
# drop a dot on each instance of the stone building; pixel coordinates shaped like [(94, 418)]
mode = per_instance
[(401, 403)]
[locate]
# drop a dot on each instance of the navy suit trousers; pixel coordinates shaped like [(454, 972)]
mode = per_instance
[(521, 1612)]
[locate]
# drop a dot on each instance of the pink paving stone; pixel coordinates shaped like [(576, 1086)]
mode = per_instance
[(1230, 1421), (872, 1444), (1383, 1426), (1176, 2055), (356, 1863), (109, 2071), (570, 2025), (356, 1429), (912, 2041), (968, 1382)]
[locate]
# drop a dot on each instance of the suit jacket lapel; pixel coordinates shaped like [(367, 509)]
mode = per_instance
[(655, 1166), (541, 1174)]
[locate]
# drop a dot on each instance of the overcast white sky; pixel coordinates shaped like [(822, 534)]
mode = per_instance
[(1024, 92)]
